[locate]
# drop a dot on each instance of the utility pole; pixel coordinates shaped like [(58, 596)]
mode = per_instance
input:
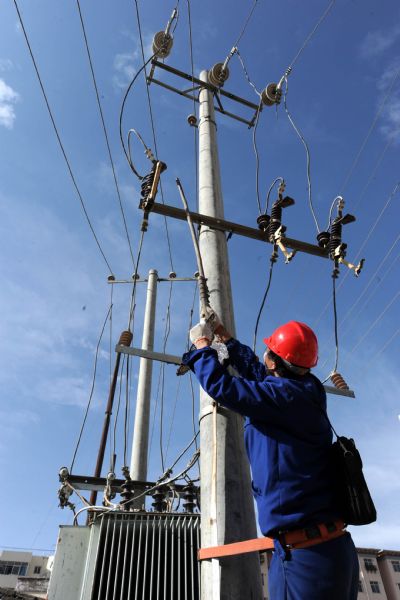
[(227, 509), (138, 469)]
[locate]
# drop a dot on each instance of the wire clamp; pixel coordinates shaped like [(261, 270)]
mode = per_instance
[(278, 240)]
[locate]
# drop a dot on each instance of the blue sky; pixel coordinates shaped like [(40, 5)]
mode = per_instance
[(344, 97)]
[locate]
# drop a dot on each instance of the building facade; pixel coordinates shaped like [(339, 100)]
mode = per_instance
[(23, 570)]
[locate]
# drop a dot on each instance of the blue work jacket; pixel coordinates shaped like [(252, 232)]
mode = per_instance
[(287, 437)]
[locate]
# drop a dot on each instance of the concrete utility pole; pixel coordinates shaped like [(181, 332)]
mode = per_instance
[(138, 470), (227, 509)]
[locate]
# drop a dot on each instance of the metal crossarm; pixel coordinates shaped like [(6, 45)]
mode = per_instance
[(177, 360)]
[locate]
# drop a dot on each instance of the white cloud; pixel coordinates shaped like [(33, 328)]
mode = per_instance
[(125, 66), (5, 64), (8, 97), (377, 42)]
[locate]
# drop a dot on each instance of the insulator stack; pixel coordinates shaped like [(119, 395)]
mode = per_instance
[(162, 44), (263, 222), (125, 338), (189, 496), (271, 95), (159, 501), (323, 239), (275, 220), (338, 381), (335, 236), (146, 184)]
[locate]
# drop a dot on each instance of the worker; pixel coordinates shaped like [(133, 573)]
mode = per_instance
[(288, 441)]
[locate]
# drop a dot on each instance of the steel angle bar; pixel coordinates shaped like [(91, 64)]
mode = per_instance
[(236, 228), (177, 360), (82, 482), (219, 109)]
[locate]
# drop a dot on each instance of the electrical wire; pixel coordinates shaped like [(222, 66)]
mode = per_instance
[(245, 25), (59, 139), (297, 130), (247, 73), (166, 336), (272, 262), (378, 218), (195, 129), (372, 127), (254, 138), (182, 453), (310, 35), (387, 344), (270, 190), (376, 321), (127, 410), (91, 390), (114, 453), (152, 125), (105, 132)]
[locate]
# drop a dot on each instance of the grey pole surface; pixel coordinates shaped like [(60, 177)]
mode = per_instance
[(138, 469), (237, 577)]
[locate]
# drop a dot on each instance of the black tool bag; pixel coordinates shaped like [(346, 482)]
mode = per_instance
[(352, 494)]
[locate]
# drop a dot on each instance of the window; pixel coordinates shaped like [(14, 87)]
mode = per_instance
[(13, 568), (396, 565), (369, 565), (37, 570), (375, 587), (360, 587)]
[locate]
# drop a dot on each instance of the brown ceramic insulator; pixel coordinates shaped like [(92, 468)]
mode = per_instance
[(126, 338), (339, 382)]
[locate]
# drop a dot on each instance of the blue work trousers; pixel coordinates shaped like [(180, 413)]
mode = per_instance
[(327, 571)]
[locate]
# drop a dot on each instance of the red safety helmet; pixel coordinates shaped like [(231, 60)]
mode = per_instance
[(296, 343)]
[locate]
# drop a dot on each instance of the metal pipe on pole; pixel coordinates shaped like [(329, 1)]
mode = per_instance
[(227, 508), (138, 467)]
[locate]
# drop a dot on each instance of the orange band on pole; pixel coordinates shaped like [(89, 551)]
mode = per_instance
[(255, 545)]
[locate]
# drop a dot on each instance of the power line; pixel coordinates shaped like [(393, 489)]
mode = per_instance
[(390, 340), (310, 35), (105, 131), (372, 127), (376, 321), (59, 138), (247, 21), (152, 125)]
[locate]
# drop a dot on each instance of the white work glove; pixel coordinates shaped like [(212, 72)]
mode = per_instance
[(201, 330), (211, 318)]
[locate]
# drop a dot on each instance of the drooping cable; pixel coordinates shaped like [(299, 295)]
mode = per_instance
[(145, 63), (254, 138), (91, 390), (59, 139), (272, 262), (275, 181), (310, 35), (105, 132), (247, 73), (299, 133)]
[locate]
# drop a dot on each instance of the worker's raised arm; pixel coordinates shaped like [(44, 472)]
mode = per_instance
[(261, 401)]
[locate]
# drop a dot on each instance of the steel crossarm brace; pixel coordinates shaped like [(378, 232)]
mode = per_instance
[(228, 226), (177, 360), (198, 84), (82, 482)]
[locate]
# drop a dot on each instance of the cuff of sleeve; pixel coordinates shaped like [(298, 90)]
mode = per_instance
[(189, 358)]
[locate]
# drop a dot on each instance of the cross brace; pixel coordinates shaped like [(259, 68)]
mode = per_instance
[(83, 482), (198, 84), (228, 226), (176, 360)]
